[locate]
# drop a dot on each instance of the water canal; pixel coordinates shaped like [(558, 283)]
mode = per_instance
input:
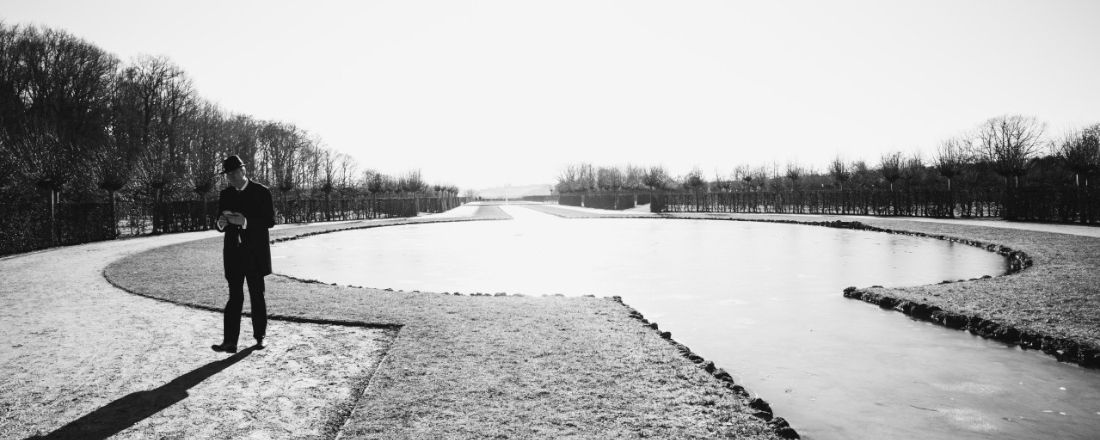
[(761, 300)]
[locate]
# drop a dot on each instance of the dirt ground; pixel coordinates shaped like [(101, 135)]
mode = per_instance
[(81, 359)]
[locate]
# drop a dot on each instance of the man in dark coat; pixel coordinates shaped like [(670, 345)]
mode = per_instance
[(246, 214)]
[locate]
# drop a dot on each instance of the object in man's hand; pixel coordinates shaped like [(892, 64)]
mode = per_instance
[(235, 218)]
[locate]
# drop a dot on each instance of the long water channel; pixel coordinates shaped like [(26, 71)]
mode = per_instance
[(762, 301)]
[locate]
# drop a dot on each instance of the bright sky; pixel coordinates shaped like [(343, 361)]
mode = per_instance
[(492, 93)]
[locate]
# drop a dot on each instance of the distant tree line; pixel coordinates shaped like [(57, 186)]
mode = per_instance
[(1008, 151), (1006, 166), (78, 125)]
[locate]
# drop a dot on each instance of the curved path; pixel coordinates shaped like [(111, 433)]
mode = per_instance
[(80, 358)]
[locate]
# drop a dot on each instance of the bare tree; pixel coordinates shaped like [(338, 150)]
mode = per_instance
[(795, 173), (743, 174), (412, 182), (586, 177), (281, 143), (207, 139), (243, 140), (951, 157), (328, 172), (1079, 152), (773, 180), (54, 91), (12, 106), (1008, 143), (840, 171), (890, 167), (633, 177), (568, 179), (912, 170), (862, 175), (348, 168), (160, 102), (374, 181), (656, 178), (724, 184), (609, 179), (694, 181)]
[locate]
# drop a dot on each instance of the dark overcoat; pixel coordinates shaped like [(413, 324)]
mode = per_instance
[(247, 251)]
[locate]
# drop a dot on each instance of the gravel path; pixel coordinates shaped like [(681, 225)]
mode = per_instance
[(80, 358)]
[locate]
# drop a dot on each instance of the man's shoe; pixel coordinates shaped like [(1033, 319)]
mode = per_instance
[(222, 348), (259, 343)]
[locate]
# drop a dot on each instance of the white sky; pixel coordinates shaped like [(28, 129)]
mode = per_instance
[(491, 93)]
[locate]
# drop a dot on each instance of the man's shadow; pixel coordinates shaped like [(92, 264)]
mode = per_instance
[(133, 408)]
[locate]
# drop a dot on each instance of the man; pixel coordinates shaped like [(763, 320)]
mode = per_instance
[(246, 214)]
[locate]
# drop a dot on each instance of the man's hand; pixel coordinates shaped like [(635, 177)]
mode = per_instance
[(222, 221)]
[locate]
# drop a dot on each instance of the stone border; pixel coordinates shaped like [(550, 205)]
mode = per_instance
[(762, 409), (1064, 350)]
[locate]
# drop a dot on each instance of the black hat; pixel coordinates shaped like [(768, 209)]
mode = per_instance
[(231, 163)]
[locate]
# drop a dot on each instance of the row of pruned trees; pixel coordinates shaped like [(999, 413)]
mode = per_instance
[(77, 121), (1010, 150), (584, 177)]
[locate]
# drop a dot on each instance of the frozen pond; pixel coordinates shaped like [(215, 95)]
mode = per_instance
[(761, 300)]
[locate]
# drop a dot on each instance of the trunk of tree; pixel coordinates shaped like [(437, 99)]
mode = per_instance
[(156, 211), (284, 207), (53, 217), (114, 215), (951, 200)]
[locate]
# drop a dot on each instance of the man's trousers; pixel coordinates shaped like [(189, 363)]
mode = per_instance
[(236, 303)]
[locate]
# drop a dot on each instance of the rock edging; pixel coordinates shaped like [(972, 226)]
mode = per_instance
[(761, 408), (1065, 350)]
